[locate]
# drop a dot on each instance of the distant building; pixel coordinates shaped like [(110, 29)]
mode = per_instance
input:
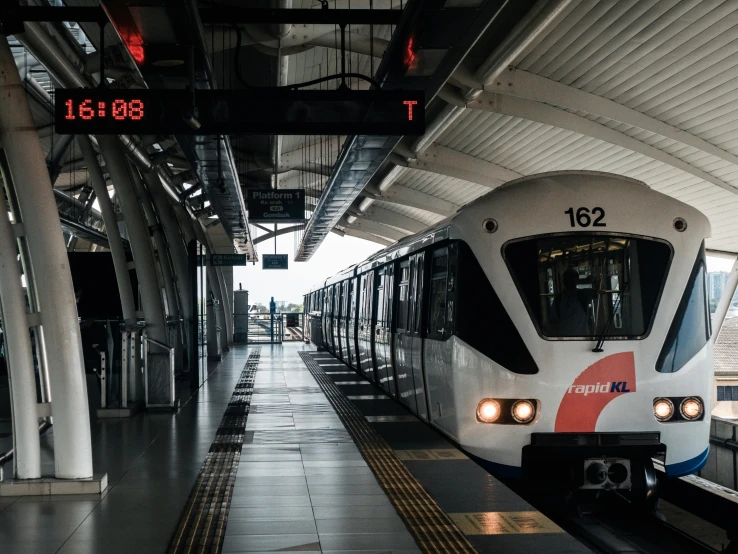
[(716, 282), (726, 371)]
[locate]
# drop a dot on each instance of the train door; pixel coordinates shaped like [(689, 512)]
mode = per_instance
[(389, 294), (335, 306), (376, 323), (329, 318), (336, 324), (437, 348), (415, 331), (382, 361), (365, 325), (402, 340), (350, 321)]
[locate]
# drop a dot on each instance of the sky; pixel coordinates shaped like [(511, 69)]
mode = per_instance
[(333, 255)]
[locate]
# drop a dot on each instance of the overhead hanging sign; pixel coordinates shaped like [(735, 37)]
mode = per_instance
[(276, 206), (274, 261), (244, 112), (227, 260)]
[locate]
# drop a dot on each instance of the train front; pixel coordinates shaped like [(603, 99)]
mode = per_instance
[(605, 281)]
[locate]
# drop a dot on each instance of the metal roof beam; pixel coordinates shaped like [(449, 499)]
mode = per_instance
[(380, 229), (366, 236), (517, 82), (451, 163), (549, 115), (388, 217), (405, 196), (278, 232)]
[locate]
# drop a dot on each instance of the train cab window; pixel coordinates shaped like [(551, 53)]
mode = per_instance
[(690, 330), (403, 299), (438, 288), (483, 322), (586, 286)]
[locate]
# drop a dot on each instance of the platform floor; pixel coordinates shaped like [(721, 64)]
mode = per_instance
[(302, 483)]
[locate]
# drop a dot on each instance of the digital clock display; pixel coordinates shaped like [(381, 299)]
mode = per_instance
[(242, 112), (119, 109), (105, 111)]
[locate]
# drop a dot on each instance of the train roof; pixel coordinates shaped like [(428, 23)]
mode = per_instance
[(441, 231)]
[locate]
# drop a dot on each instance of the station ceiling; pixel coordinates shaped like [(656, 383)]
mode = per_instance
[(643, 88)]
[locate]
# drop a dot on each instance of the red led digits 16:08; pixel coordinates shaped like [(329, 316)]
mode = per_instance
[(118, 109)]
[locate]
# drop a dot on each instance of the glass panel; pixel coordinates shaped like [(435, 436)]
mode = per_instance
[(690, 329), (437, 319), (586, 286)]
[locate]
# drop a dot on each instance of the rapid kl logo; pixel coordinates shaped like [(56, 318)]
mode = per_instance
[(592, 390), (604, 388)]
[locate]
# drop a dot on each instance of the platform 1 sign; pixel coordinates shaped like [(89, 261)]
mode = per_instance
[(274, 261), (227, 260), (276, 206)]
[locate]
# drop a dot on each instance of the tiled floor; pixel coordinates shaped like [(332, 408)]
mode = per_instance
[(151, 460), (302, 485)]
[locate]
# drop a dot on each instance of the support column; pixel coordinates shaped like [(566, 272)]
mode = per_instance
[(216, 280), (110, 219), (60, 326), (18, 354), (177, 248), (161, 244), (138, 234)]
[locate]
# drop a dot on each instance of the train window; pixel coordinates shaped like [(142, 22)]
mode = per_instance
[(690, 330), (403, 300), (483, 322), (438, 286), (586, 286)]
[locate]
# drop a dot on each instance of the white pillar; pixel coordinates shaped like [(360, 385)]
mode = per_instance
[(138, 234), (117, 251), (162, 251), (18, 354), (48, 253)]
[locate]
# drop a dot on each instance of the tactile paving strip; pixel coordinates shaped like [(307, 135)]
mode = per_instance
[(431, 528), (201, 527)]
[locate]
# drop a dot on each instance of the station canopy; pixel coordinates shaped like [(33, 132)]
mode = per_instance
[(641, 88)]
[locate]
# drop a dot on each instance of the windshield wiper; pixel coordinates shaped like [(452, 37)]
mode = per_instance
[(603, 335)]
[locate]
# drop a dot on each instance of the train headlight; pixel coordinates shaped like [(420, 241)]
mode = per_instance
[(488, 410), (663, 409), (523, 411), (691, 408)]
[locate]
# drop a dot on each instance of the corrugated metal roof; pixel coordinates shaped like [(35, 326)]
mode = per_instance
[(666, 62)]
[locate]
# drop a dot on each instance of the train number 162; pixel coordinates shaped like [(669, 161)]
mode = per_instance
[(582, 217)]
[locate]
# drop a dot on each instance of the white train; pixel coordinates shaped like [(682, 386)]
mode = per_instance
[(558, 328)]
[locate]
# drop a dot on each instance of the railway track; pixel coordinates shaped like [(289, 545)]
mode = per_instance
[(614, 527)]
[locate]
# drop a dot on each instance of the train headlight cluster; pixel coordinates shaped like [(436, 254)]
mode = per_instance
[(506, 411), (691, 408), (488, 410), (523, 411), (663, 409)]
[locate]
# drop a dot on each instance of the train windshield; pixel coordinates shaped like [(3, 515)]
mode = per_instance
[(586, 286)]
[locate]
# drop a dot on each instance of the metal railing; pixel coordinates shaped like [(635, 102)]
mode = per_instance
[(158, 380), (265, 329)]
